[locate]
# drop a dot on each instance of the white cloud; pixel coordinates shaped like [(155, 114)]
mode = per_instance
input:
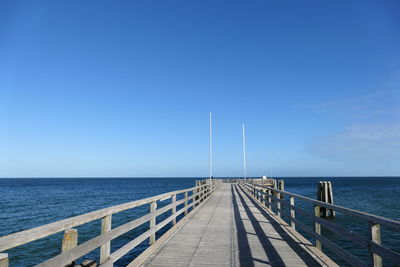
[(377, 144)]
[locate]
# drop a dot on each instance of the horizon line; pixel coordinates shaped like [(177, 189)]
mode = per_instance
[(205, 177)]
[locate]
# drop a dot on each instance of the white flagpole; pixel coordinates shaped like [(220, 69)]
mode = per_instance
[(210, 152), (244, 152)]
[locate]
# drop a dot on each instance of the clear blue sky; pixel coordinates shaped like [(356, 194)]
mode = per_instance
[(124, 88)]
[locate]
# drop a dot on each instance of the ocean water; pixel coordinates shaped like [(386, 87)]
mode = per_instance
[(27, 203)]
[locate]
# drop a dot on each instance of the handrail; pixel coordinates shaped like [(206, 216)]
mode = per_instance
[(265, 195), (395, 225), (200, 194)]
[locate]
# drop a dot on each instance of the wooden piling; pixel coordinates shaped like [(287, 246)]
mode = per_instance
[(325, 194), (330, 199)]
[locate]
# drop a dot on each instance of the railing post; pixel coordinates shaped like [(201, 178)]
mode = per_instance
[(317, 226), (105, 249), (201, 192), (195, 194), (278, 204), (375, 236), (69, 241), (153, 207), (4, 260), (269, 199), (174, 208), (186, 203), (265, 197), (292, 213)]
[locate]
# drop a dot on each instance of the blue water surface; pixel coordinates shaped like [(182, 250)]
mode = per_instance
[(31, 202)]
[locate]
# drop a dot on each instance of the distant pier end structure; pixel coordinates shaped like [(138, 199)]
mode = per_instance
[(231, 222)]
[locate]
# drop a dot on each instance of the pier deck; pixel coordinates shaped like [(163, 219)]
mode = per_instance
[(233, 229)]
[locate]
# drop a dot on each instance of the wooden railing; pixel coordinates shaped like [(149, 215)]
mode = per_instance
[(71, 250), (274, 198)]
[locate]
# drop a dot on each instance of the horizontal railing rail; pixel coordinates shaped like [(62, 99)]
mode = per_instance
[(274, 197), (71, 251)]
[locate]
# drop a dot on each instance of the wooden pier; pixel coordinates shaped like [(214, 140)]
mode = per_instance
[(215, 224)]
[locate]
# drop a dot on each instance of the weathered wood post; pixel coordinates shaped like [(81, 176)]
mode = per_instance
[(278, 204), (269, 199), (317, 213), (186, 203), (281, 186), (324, 197), (325, 194), (105, 249), (274, 186), (292, 213), (320, 195), (88, 263), (375, 236), (330, 199), (153, 207), (4, 260), (174, 208), (69, 241), (195, 193)]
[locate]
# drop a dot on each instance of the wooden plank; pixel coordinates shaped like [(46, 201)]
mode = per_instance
[(395, 225), (340, 230), (385, 253), (84, 248), (344, 254), (23, 237)]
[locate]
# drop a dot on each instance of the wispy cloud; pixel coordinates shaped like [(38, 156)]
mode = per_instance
[(370, 142), (376, 104)]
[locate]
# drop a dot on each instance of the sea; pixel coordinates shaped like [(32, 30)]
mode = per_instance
[(30, 202)]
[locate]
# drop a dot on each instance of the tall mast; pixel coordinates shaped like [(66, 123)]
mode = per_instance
[(244, 152), (210, 152)]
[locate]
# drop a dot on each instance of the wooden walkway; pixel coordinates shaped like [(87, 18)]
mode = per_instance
[(233, 229)]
